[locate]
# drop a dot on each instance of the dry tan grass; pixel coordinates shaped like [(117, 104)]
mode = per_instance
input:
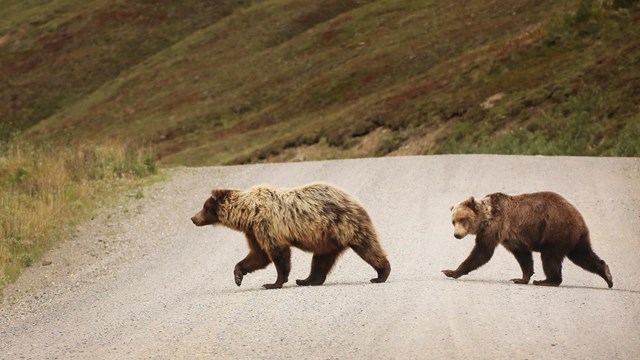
[(44, 191)]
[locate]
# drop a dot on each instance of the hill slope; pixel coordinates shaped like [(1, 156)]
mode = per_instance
[(287, 80)]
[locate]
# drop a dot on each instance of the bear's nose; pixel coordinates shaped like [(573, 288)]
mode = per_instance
[(193, 219), (458, 236)]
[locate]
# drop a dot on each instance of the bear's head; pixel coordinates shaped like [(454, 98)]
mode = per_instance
[(466, 218), (209, 213)]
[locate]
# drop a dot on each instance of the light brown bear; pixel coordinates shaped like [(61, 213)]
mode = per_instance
[(318, 218), (543, 221)]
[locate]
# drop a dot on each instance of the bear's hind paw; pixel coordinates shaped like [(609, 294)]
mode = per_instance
[(520, 281), (272, 286), (307, 282), (451, 273), (237, 276), (546, 283)]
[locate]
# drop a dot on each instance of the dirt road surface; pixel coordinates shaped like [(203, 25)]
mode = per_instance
[(141, 281)]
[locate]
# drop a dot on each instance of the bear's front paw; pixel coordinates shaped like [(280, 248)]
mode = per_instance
[(520, 281), (451, 273), (237, 275)]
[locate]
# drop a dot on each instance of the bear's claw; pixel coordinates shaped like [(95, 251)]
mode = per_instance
[(237, 275), (608, 278)]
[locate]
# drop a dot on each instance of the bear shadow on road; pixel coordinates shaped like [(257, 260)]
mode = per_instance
[(397, 281), (509, 283), (294, 287)]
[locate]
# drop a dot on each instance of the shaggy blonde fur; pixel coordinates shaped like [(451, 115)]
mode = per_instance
[(318, 218)]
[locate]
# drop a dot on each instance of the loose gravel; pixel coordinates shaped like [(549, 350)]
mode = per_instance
[(140, 281)]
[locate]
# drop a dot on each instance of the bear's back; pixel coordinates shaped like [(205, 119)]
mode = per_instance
[(550, 203), (538, 215), (316, 196), (312, 211)]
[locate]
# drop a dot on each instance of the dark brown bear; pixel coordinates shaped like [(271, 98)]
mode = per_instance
[(544, 222), (318, 218)]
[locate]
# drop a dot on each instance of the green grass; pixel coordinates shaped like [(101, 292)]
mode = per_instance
[(55, 53), (587, 104), (45, 191)]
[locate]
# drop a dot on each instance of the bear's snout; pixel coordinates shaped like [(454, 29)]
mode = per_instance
[(458, 236), (202, 219), (197, 220)]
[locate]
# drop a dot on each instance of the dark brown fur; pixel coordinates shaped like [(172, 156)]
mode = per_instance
[(318, 218), (544, 222)]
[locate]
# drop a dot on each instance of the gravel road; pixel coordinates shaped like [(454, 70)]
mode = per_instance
[(141, 281)]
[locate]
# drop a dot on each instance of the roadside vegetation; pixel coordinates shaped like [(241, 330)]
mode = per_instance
[(45, 191)]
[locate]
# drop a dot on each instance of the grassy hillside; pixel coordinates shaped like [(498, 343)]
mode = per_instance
[(281, 80), (55, 53)]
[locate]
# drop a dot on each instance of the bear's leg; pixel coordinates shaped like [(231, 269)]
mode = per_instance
[(255, 260), (321, 264), (583, 256), (552, 266), (282, 260), (480, 255), (526, 264), (374, 256)]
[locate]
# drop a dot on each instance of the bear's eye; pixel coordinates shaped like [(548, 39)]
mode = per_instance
[(209, 204)]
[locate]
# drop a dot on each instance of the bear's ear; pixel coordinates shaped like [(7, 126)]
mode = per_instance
[(471, 203), (451, 208), (219, 194)]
